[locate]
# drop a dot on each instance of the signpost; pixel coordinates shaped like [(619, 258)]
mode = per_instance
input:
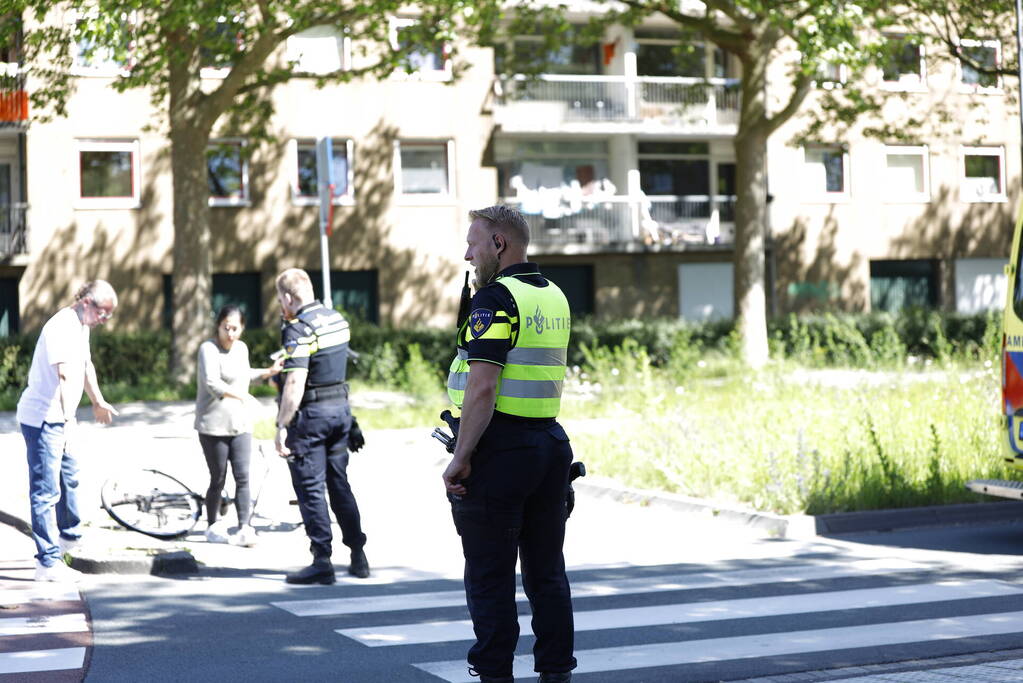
[(325, 188)]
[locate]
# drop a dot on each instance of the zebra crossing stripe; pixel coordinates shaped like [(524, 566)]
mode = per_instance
[(609, 587), (764, 645), (42, 660), (748, 608), (42, 593), (58, 623)]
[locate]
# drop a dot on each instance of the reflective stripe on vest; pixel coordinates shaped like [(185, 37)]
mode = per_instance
[(531, 381)]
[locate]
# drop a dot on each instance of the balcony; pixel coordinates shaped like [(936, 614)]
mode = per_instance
[(555, 103), (13, 230), (13, 96), (626, 224)]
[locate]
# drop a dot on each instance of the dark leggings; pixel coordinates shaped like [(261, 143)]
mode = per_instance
[(219, 450)]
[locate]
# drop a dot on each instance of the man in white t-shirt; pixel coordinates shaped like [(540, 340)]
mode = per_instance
[(61, 369)]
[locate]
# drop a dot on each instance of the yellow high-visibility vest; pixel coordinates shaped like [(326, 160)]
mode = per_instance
[(531, 381)]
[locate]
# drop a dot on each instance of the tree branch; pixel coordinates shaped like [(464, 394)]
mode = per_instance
[(803, 83)]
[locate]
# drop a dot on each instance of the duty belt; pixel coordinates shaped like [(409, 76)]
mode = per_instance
[(325, 393)]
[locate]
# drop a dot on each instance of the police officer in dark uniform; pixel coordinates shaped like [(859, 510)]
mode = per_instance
[(509, 477), (313, 424)]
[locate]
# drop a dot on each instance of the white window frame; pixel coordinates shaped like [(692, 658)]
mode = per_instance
[(346, 199), (822, 196), (914, 197), (443, 74), (245, 199), (903, 84), (979, 150), (108, 145), (294, 55), (995, 89), (423, 197)]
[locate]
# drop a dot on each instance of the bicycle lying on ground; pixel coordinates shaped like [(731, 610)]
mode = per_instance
[(157, 504)]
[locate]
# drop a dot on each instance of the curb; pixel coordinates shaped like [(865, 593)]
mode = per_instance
[(808, 526), (159, 563)]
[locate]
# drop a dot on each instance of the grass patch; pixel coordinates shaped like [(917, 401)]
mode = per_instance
[(788, 445)]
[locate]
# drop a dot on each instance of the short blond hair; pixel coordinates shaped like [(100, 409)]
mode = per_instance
[(505, 220), (296, 282)]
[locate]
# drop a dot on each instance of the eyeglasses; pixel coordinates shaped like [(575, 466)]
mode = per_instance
[(101, 313)]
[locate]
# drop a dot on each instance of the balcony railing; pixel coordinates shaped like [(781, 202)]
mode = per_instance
[(13, 96), (629, 224), (554, 99), (13, 229)]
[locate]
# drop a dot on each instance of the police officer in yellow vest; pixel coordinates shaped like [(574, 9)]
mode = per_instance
[(509, 476), (313, 423)]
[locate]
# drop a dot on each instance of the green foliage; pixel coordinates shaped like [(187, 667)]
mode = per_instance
[(418, 378)]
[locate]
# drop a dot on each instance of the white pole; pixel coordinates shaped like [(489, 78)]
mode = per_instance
[(325, 182)]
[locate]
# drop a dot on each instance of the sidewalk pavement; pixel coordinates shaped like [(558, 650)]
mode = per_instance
[(388, 479)]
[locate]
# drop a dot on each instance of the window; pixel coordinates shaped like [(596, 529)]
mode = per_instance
[(831, 75), (241, 289), (706, 291), (423, 168), (907, 174), (526, 166), (903, 68), (576, 281), (669, 53), (569, 59), (895, 285), (305, 186), (826, 172), (980, 284), (104, 48), (227, 173), (221, 45), (318, 50), (984, 53), (425, 61), (9, 322), (108, 174), (355, 292), (983, 174), (674, 168)]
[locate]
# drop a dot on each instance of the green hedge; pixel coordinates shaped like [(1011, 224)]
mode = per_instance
[(142, 358)]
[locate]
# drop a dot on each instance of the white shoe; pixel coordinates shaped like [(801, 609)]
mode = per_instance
[(69, 545), (217, 533), (58, 572), (245, 536)]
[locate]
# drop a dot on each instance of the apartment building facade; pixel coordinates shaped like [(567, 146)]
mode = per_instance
[(621, 157)]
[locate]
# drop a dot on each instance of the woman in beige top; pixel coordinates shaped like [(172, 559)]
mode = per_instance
[(223, 418)]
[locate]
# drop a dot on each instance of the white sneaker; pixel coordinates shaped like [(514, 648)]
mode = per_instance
[(217, 533), (69, 545), (58, 572), (245, 536)]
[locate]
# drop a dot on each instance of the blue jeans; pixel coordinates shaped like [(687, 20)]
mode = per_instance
[(52, 489)]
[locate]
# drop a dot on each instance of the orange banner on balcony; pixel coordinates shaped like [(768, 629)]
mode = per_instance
[(13, 105)]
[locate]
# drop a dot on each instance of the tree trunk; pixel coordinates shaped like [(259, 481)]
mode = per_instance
[(193, 269), (751, 216)]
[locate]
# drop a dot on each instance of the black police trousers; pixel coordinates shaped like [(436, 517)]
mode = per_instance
[(515, 505), (318, 439)]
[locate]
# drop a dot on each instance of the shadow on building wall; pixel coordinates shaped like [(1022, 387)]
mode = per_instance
[(818, 281), (832, 278)]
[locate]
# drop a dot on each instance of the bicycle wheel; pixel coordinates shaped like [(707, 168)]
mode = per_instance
[(151, 503)]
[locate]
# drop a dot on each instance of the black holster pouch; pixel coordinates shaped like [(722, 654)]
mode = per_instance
[(575, 470), (355, 438)]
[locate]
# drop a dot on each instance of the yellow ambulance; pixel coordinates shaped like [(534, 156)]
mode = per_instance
[(1012, 378)]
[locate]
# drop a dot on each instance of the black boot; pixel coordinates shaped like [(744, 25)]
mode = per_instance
[(359, 568), (561, 677), (320, 571)]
